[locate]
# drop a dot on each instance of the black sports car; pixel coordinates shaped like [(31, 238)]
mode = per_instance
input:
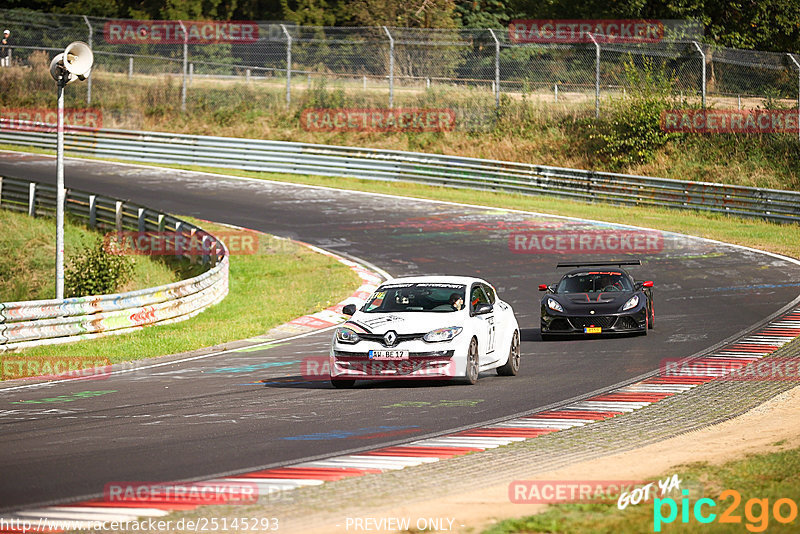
[(597, 298)]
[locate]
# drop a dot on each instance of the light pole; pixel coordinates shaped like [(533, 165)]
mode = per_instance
[(75, 63)]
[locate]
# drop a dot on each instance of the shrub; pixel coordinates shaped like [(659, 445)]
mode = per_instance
[(97, 270), (632, 134), (320, 97)]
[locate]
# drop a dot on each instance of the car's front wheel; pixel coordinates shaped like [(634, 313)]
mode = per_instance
[(471, 372), (511, 367)]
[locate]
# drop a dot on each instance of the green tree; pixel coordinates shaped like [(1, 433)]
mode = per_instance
[(771, 25), (309, 12), (258, 10), (403, 13), (197, 9), (483, 13)]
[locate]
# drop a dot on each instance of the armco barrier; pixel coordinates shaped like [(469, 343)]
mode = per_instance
[(46, 322), (436, 169)]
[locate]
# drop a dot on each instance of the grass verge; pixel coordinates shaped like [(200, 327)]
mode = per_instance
[(283, 280), (769, 477), (28, 259)]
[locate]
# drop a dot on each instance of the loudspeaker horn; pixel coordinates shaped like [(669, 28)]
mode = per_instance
[(78, 59)]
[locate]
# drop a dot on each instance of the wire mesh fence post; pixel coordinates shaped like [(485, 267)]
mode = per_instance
[(391, 67), (797, 66), (355, 57), (703, 72), (496, 69), (89, 80), (185, 64), (288, 65), (596, 76)]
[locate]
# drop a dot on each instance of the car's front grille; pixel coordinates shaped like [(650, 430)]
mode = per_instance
[(400, 338), (583, 322)]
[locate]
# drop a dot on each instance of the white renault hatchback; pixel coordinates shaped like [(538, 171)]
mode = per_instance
[(434, 327)]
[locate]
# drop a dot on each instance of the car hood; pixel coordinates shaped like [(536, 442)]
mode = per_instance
[(405, 322), (615, 297)]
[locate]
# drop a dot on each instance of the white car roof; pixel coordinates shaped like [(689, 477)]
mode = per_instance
[(434, 279)]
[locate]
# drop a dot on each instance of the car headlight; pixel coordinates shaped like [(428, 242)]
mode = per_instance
[(632, 303), (346, 335), (442, 334), (554, 305)]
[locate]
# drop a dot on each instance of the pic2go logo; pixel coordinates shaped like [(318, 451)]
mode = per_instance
[(756, 511)]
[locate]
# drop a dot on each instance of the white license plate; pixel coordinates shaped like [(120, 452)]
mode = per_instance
[(388, 355)]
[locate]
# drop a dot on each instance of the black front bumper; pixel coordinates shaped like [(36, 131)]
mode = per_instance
[(618, 323)]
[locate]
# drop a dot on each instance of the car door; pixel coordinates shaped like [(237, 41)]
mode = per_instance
[(501, 327), (485, 325)]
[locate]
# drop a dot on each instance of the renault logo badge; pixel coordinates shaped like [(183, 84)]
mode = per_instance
[(389, 338)]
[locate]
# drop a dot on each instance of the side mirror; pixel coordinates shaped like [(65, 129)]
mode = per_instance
[(542, 287), (648, 283), (483, 308), (349, 309)]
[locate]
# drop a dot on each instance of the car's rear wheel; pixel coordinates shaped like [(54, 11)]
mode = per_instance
[(511, 367), (342, 383), (471, 372)]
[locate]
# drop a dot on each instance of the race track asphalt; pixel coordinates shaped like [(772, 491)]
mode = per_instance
[(237, 411)]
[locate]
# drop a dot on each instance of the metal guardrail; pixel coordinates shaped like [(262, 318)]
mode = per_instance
[(46, 322), (435, 169)]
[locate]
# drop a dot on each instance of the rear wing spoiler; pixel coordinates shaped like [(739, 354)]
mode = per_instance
[(599, 263)]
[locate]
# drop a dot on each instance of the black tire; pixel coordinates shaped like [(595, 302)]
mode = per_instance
[(342, 383), (472, 370), (511, 367), (651, 323)]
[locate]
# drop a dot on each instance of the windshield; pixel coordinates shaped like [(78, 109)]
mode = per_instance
[(594, 282), (417, 298)]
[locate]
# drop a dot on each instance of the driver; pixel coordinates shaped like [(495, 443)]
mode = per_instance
[(456, 301), (610, 283)]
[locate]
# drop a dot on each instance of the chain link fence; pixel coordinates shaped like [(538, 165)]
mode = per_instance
[(379, 67)]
